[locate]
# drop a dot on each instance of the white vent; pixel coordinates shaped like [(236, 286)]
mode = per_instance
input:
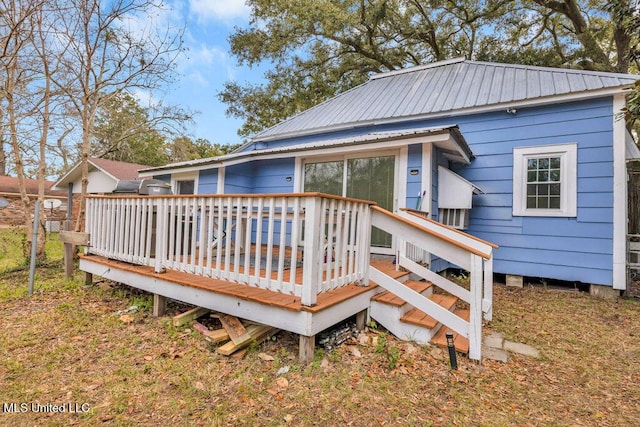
[(456, 218)]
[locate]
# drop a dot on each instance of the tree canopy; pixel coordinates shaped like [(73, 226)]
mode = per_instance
[(321, 48)]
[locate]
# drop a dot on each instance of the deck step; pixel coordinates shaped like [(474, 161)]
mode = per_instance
[(419, 318), (461, 343), (387, 297)]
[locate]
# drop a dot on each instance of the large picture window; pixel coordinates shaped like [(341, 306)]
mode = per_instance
[(544, 180)]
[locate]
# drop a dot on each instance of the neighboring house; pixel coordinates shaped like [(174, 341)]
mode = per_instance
[(104, 176), (529, 158), (12, 208)]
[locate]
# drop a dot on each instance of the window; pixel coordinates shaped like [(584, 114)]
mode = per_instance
[(544, 181), (184, 182)]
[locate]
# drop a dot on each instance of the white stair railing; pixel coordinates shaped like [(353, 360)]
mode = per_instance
[(457, 248)]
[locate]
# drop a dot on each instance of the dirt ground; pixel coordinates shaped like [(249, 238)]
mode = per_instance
[(68, 348)]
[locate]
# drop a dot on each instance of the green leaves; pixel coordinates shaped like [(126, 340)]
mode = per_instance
[(318, 49)]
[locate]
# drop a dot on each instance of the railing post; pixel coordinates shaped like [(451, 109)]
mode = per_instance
[(488, 289), (161, 234), (312, 256), (475, 318)]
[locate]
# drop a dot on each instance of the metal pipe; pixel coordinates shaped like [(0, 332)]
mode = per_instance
[(34, 246), (453, 360)]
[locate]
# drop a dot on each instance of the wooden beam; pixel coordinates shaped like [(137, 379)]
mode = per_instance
[(88, 279), (307, 349), (235, 329), (159, 305), (361, 320), (188, 316), (257, 334)]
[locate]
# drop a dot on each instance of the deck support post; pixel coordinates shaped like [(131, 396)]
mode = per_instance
[(68, 252), (361, 319), (88, 278), (159, 305), (307, 349)]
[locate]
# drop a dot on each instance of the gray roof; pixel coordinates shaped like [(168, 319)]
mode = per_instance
[(448, 138), (443, 89)]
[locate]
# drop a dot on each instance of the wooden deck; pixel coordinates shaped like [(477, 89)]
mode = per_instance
[(249, 293)]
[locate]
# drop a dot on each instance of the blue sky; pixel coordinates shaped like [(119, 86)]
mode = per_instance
[(207, 64)]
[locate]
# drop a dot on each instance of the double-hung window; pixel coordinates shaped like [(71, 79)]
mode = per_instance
[(544, 180)]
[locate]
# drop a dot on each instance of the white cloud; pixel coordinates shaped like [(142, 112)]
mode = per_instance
[(222, 10)]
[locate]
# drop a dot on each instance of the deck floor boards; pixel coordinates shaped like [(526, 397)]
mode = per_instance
[(248, 292)]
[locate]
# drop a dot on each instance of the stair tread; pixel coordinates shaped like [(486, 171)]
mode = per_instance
[(419, 318), (460, 343), (389, 298)]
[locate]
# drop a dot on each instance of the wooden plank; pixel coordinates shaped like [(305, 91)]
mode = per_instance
[(188, 316), (216, 336), (257, 334), (74, 237), (235, 329)]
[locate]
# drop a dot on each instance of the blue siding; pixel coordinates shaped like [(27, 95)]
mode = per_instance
[(238, 179), (270, 176), (577, 249), (414, 182), (208, 181)]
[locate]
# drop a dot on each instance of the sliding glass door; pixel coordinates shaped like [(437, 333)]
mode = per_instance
[(368, 178)]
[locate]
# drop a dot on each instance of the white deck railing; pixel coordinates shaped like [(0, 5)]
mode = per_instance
[(298, 244), (458, 248)]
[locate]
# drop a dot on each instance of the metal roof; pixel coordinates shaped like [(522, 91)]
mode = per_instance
[(444, 88), (448, 138)]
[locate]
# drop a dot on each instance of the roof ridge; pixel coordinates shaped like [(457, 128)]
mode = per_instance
[(552, 69), (418, 68)]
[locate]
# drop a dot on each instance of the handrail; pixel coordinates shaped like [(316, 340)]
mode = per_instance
[(418, 213), (457, 248), (484, 254), (234, 195)]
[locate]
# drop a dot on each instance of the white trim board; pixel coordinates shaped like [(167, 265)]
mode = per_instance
[(619, 195)]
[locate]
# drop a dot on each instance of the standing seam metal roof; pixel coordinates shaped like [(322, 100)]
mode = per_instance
[(440, 88)]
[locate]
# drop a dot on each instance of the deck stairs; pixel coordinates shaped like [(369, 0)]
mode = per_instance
[(409, 323)]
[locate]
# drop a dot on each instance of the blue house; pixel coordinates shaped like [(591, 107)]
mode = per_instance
[(453, 155)]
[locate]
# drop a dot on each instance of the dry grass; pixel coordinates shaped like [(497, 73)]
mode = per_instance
[(66, 345)]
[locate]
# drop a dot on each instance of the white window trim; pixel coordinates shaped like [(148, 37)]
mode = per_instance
[(568, 154), (185, 176)]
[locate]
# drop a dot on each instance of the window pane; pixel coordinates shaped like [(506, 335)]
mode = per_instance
[(532, 164), (543, 163), (554, 189), (543, 202), (555, 162), (531, 190), (543, 189), (543, 176), (186, 187), (531, 202), (531, 176), (325, 177), (554, 202), (554, 175)]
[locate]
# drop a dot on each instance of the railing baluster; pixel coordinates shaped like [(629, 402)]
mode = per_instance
[(312, 240), (247, 242), (219, 236), (295, 238), (228, 233), (339, 245), (238, 239), (258, 258), (210, 235), (282, 249), (328, 248), (270, 232)]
